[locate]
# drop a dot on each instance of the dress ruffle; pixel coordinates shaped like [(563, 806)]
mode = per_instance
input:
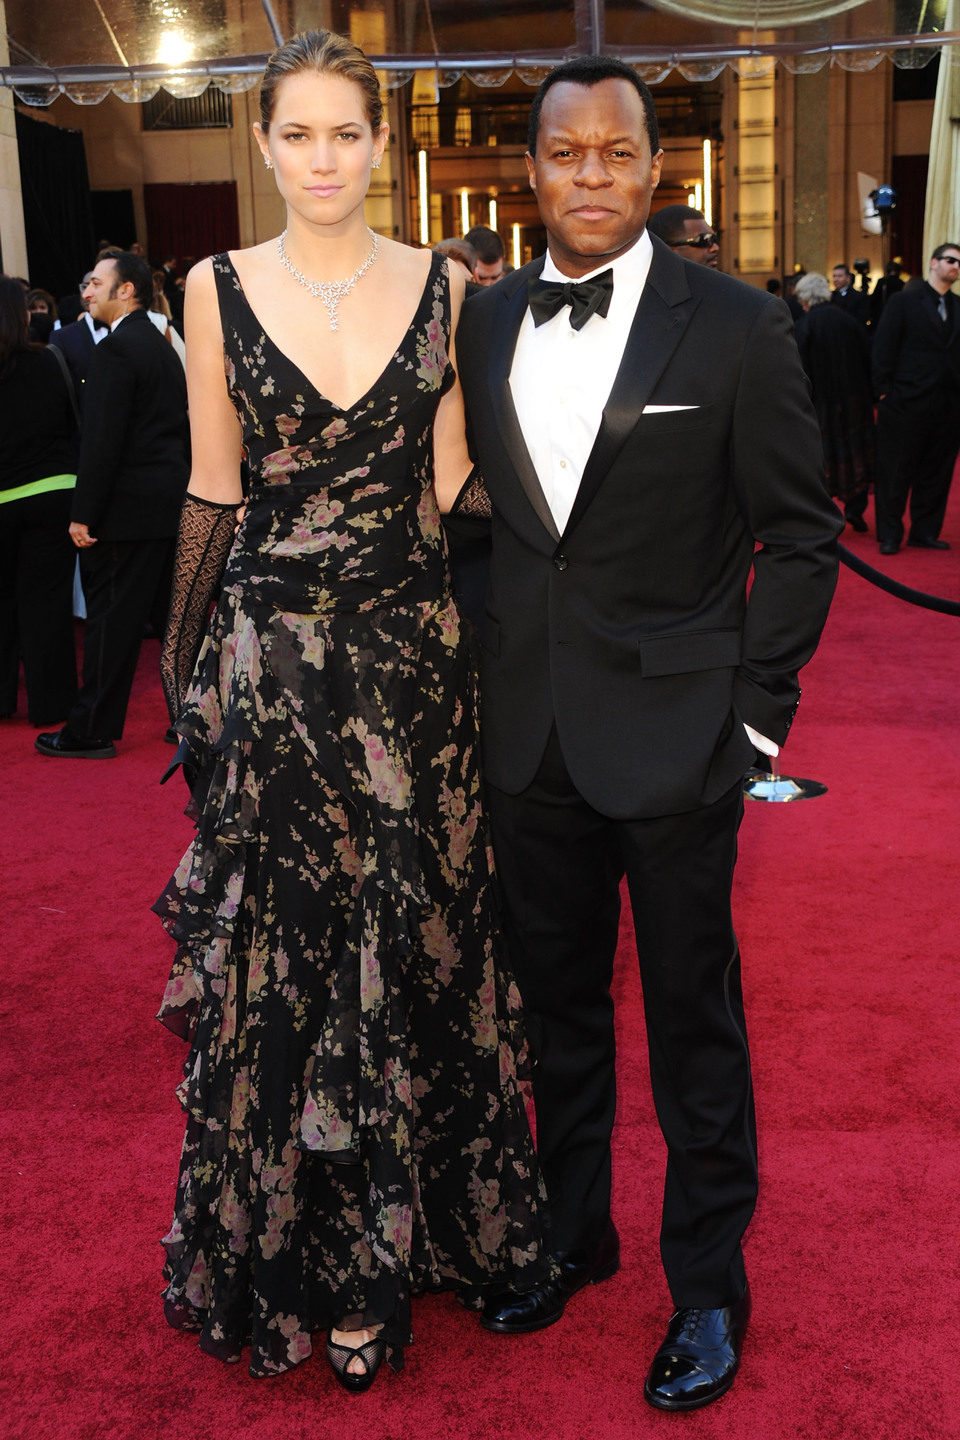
[(356, 1113)]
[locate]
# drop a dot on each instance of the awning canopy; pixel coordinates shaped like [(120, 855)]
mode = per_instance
[(130, 48)]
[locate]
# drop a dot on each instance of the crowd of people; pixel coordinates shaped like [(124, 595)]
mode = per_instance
[(365, 997)]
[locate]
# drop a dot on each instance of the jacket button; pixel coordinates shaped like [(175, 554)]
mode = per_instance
[(561, 562)]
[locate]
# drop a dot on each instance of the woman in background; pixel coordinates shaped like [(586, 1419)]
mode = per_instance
[(38, 460)]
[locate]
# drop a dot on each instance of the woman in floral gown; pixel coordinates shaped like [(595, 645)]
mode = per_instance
[(356, 1130)]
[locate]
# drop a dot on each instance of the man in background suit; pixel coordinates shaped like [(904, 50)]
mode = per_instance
[(686, 231), (79, 340), (848, 297), (916, 375), (640, 423), (133, 470)]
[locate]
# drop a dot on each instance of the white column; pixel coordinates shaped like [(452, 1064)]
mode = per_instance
[(12, 234), (13, 240)]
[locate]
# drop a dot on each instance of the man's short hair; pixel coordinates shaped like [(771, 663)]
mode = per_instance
[(589, 70), (134, 268), (842, 265), (941, 250), (486, 243), (667, 224)]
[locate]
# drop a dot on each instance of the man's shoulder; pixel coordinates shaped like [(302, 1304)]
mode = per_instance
[(70, 336), (488, 298), (727, 295)]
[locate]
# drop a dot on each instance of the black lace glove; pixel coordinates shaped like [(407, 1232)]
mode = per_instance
[(203, 544), (467, 528), (469, 515)]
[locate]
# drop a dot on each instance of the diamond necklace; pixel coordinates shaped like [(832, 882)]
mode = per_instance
[(331, 292)]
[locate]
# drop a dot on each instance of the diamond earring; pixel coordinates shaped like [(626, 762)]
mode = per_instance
[(375, 164), (268, 162)]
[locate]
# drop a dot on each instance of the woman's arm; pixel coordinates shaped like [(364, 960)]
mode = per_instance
[(214, 427), (451, 458)]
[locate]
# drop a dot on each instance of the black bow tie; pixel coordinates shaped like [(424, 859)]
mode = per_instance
[(547, 298)]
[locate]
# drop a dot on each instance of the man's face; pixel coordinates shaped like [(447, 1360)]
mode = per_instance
[(485, 274), (841, 277), (100, 293), (593, 174), (700, 253), (945, 271)]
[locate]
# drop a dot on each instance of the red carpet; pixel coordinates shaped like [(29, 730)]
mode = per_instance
[(848, 916)]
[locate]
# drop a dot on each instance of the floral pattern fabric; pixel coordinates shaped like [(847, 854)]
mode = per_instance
[(356, 1125)]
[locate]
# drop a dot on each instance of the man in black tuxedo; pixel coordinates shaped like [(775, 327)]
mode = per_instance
[(79, 340), (133, 471), (848, 297), (638, 436), (916, 374)]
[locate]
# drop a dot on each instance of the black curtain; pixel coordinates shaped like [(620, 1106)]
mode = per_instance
[(908, 176), (191, 221), (57, 211)]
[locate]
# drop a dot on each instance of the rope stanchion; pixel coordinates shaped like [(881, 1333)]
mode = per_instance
[(776, 788), (895, 588)]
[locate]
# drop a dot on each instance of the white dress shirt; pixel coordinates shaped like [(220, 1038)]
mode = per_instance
[(561, 379)]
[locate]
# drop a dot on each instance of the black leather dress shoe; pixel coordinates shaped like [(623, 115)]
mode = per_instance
[(889, 547), (65, 746), (921, 544), (515, 1312), (699, 1358), (857, 522)]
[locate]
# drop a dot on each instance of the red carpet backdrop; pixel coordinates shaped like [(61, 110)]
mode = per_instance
[(848, 912)]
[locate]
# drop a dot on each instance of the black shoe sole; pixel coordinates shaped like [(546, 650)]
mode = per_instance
[(103, 753), (664, 1404), (502, 1327)]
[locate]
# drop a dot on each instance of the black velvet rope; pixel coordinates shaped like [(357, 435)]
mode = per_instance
[(893, 587)]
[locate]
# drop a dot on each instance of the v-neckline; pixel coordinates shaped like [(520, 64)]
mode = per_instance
[(355, 404)]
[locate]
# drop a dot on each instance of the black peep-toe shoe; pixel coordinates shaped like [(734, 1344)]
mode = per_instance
[(371, 1355)]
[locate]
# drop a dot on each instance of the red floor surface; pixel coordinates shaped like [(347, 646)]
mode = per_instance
[(847, 909)]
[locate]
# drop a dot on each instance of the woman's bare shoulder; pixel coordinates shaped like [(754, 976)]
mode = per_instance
[(405, 262), (254, 260)]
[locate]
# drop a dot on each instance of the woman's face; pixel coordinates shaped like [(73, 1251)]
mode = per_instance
[(321, 146), (39, 307)]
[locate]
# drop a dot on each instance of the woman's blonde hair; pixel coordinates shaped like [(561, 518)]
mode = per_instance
[(326, 54)]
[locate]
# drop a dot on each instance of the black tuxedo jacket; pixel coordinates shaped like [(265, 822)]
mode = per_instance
[(134, 450), (78, 347), (854, 302), (632, 631), (916, 359)]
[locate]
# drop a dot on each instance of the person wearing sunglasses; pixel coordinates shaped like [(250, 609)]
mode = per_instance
[(916, 377), (686, 231)]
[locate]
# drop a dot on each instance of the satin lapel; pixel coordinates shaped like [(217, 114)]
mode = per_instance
[(502, 346), (663, 314)]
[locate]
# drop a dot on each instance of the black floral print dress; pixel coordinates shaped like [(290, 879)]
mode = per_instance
[(356, 1128)]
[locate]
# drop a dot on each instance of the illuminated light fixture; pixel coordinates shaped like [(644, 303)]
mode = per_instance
[(492, 222), (708, 182), (695, 197), (424, 198), (175, 48), (515, 232), (464, 211)]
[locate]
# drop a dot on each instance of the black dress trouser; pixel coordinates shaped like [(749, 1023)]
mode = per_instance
[(559, 864), (126, 584), (916, 453), (37, 563)]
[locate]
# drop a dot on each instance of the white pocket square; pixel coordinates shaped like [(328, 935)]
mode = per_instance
[(663, 409)]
